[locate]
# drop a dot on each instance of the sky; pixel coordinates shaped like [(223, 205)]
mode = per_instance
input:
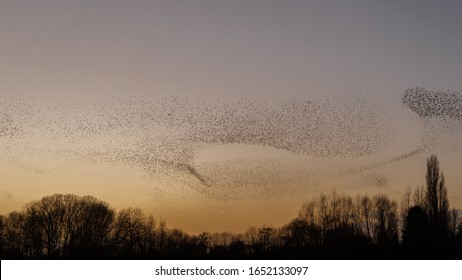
[(218, 115)]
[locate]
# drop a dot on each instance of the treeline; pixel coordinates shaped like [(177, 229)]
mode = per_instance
[(329, 227)]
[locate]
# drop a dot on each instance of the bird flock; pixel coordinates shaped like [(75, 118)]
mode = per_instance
[(431, 103), (440, 114), (162, 135)]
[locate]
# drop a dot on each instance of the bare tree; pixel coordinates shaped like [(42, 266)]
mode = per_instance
[(88, 224), (162, 237), (436, 197), (13, 233), (364, 216), (64, 225), (453, 221), (177, 242), (150, 234), (45, 223), (419, 196), (2, 227), (459, 231), (265, 233), (129, 231), (251, 235), (301, 234), (386, 221)]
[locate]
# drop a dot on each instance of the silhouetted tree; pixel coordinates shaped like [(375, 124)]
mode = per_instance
[(2, 226), (68, 225), (177, 243), (419, 197), (202, 244), (301, 234), (436, 203), (251, 239), (459, 232), (88, 224), (45, 224), (346, 227), (265, 234), (364, 217), (13, 234), (452, 224), (329, 226), (301, 239), (129, 232), (386, 222), (237, 248), (162, 237), (150, 234), (416, 233)]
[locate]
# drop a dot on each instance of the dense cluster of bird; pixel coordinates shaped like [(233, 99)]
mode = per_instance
[(440, 113), (162, 135), (430, 103)]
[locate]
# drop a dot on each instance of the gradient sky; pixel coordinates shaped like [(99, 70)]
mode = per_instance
[(81, 53)]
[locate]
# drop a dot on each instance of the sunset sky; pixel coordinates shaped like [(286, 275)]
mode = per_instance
[(219, 115)]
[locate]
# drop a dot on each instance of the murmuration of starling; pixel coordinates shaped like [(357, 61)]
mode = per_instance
[(163, 134)]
